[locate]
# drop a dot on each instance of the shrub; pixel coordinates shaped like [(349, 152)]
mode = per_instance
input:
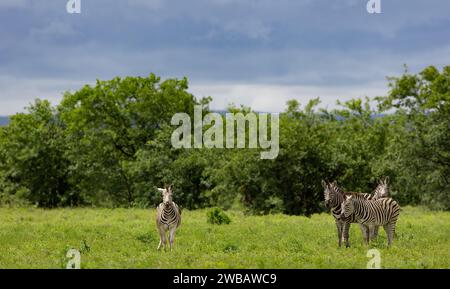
[(217, 216)]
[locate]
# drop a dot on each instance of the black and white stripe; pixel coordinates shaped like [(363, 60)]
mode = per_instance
[(382, 212), (169, 214), (168, 218), (381, 191), (334, 197)]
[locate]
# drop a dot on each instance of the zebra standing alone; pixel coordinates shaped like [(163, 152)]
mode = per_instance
[(382, 212), (334, 197), (168, 217)]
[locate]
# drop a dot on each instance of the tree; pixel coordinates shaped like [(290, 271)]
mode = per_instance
[(33, 165), (110, 145), (108, 124), (423, 107)]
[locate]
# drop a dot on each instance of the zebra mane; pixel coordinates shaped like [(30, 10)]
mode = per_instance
[(333, 186), (382, 184), (336, 188), (353, 194), (377, 189)]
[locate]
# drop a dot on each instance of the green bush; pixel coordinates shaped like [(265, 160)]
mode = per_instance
[(107, 145), (218, 216)]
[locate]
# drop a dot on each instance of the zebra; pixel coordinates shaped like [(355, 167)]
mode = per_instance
[(168, 217), (381, 191), (334, 197), (382, 212)]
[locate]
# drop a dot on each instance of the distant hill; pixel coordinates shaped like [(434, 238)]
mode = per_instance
[(4, 120)]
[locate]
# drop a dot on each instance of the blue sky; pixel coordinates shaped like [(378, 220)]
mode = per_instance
[(259, 53)]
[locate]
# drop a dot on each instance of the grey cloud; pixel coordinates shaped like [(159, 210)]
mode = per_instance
[(317, 44), (12, 4)]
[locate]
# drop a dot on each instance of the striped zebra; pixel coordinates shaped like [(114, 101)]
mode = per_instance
[(168, 217), (334, 197), (381, 191), (382, 212)]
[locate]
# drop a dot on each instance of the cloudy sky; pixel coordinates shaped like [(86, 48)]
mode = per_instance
[(253, 52)]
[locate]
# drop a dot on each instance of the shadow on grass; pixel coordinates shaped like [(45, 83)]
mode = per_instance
[(147, 238), (231, 248)]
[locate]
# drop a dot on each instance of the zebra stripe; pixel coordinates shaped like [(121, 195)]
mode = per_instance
[(382, 212), (169, 214), (334, 197), (168, 218), (382, 190)]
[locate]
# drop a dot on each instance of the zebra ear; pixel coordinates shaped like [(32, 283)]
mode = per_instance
[(161, 190), (386, 180), (324, 184)]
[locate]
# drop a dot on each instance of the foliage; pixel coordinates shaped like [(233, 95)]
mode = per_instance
[(109, 128), (217, 216), (421, 153), (32, 158), (109, 145)]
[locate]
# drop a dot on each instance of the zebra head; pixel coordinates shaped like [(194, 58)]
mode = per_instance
[(331, 194), (382, 190), (167, 194), (347, 207)]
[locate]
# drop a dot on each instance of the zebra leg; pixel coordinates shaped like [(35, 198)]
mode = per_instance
[(339, 231), (162, 238), (159, 246), (363, 231), (390, 231), (366, 233), (375, 232), (164, 241), (346, 229), (172, 237)]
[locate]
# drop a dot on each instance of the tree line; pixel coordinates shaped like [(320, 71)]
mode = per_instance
[(109, 145)]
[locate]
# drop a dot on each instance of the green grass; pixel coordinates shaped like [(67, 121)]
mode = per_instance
[(127, 238)]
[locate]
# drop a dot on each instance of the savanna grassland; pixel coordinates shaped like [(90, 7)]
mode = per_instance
[(127, 238)]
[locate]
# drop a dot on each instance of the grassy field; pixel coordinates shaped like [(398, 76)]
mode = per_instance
[(127, 238)]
